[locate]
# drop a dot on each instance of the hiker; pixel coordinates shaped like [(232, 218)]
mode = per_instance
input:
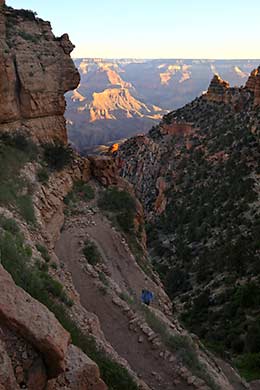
[(146, 297)]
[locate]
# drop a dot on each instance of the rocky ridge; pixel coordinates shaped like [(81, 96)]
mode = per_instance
[(35, 72), (197, 175)]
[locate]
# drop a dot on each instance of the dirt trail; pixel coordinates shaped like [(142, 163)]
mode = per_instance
[(142, 358)]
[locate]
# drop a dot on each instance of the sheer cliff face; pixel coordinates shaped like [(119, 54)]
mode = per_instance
[(35, 72)]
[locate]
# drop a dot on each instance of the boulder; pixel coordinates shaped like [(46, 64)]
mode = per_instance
[(7, 378), (34, 322), (81, 373)]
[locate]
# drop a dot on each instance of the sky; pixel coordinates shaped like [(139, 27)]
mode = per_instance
[(214, 29)]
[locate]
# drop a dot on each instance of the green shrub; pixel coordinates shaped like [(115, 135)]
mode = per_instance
[(91, 253), (114, 200), (44, 252), (103, 279), (15, 152), (80, 191), (122, 205), (249, 366), (9, 225), (84, 190), (43, 175), (57, 155), (25, 206)]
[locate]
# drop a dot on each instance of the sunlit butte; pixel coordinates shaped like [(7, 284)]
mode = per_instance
[(154, 29)]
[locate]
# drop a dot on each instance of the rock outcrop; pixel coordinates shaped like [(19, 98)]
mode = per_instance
[(81, 373), (35, 72), (217, 89), (7, 378), (253, 84), (34, 322)]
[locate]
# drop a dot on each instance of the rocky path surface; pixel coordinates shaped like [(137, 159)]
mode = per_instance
[(139, 352)]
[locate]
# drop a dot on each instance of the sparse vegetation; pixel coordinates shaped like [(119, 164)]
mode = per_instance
[(43, 175), (16, 259), (81, 192), (91, 253), (121, 205), (182, 346), (57, 155), (15, 191), (44, 252), (15, 256), (28, 37)]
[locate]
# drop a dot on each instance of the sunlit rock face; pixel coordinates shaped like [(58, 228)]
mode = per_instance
[(217, 89), (35, 72), (253, 84)]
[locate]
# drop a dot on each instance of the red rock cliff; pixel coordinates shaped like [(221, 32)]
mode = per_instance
[(253, 84), (35, 72)]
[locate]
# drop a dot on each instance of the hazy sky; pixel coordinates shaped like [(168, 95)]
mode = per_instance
[(154, 28)]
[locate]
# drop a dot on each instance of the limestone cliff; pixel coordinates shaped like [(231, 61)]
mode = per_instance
[(35, 72)]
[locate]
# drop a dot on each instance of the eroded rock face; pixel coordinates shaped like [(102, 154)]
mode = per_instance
[(35, 72), (34, 322), (81, 373), (217, 89), (7, 378), (104, 170), (253, 84)]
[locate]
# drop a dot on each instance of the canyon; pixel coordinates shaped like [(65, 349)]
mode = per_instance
[(117, 99), (74, 231)]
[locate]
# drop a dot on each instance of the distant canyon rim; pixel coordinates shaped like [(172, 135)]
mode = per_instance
[(119, 98)]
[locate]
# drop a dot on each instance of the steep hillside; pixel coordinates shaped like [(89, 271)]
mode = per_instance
[(197, 175), (92, 116), (73, 250)]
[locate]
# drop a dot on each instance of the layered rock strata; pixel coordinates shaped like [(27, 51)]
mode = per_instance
[(35, 72)]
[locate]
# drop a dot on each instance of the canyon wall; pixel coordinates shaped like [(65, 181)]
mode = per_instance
[(35, 72)]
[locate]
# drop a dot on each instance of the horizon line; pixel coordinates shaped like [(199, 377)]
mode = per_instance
[(166, 58)]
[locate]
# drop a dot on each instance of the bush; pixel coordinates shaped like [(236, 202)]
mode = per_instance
[(15, 257), (91, 253), (84, 190), (9, 225), (25, 206), (80, 191), (122, 205), (118, 201), (249, 365), (43, 175), (15, 152), (44, 252), (57, 155)]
